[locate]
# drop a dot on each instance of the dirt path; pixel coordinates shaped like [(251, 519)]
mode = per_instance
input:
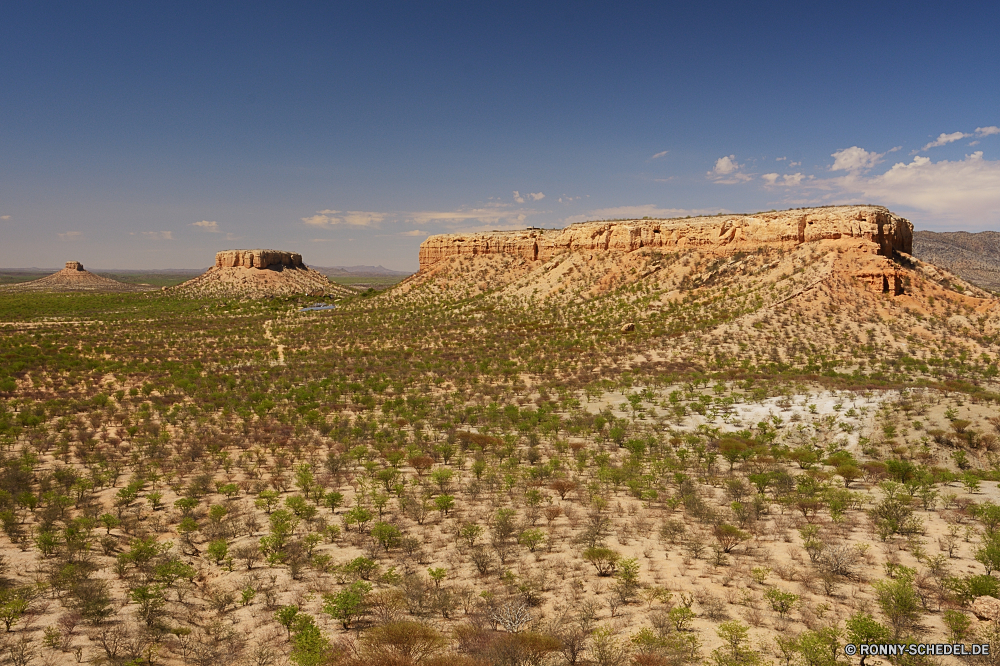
[(269, 336)]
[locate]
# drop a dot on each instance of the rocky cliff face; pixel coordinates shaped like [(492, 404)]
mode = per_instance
[(257, 259), (880, 231)]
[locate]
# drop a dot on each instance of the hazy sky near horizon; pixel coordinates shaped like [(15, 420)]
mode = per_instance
[(153, 134)]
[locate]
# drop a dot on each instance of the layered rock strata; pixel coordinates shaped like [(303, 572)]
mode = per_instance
[(724, 234), (257, 259), (872, 234)]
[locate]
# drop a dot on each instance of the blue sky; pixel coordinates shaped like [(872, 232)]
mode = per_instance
[(153, 134)]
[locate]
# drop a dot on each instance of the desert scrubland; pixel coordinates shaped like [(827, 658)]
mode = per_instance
[(730, 440)]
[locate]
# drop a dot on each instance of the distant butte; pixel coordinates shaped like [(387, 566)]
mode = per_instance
[(75, 278), (259, 274)]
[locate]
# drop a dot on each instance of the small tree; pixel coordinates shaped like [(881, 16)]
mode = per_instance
[(729, 536), (347, 605), (12, 607), (735, 650), (627, 580), (781, 602), (531, 538), (899, 602), (401, 642), (218, 550), (605, 560), (513, 616), (387, 535)]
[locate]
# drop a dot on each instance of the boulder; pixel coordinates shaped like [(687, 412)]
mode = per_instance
[(987, 608), (628, 328)]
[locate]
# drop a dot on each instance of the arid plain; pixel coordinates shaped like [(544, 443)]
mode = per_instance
[(739, 439)]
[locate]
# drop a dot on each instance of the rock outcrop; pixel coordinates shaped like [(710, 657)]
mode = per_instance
[(258, 274), (870, 239), (986, 608), (75, 278), (722, 234), (257, 259)]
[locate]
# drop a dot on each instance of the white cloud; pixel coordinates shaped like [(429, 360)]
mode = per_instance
[(517, 197), (158, 235), (536, 196), (987, 131), (206, 225), (780, 159), (727, 171), (854, 159), (944, 139), (4, 217), (964, 193), (353, 218), (659, 155), (413, 232), (724, 166), (70, 235), (966, 190), (639, 212), (788, 180), (791, 164)]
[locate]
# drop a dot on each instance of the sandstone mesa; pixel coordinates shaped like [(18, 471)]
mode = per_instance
[(259, 273), (872, 235)]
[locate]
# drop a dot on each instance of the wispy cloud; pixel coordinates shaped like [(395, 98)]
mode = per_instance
[(638, 212), (158, 235), (658, 155), (211, 227), (4, 217), (787, 180), (413, 232), (727, 171), (490, 215), (351, 218), (944, 139), (70, 235), (854, 159), (534, 196)]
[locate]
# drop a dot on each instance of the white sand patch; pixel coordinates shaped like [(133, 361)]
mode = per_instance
[(833, 415)]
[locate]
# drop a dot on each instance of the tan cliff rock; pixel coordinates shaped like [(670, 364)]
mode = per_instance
[(868, 238), (722, 234), (257, 259)]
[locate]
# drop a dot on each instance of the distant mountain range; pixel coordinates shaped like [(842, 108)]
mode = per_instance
[(972, 256)]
